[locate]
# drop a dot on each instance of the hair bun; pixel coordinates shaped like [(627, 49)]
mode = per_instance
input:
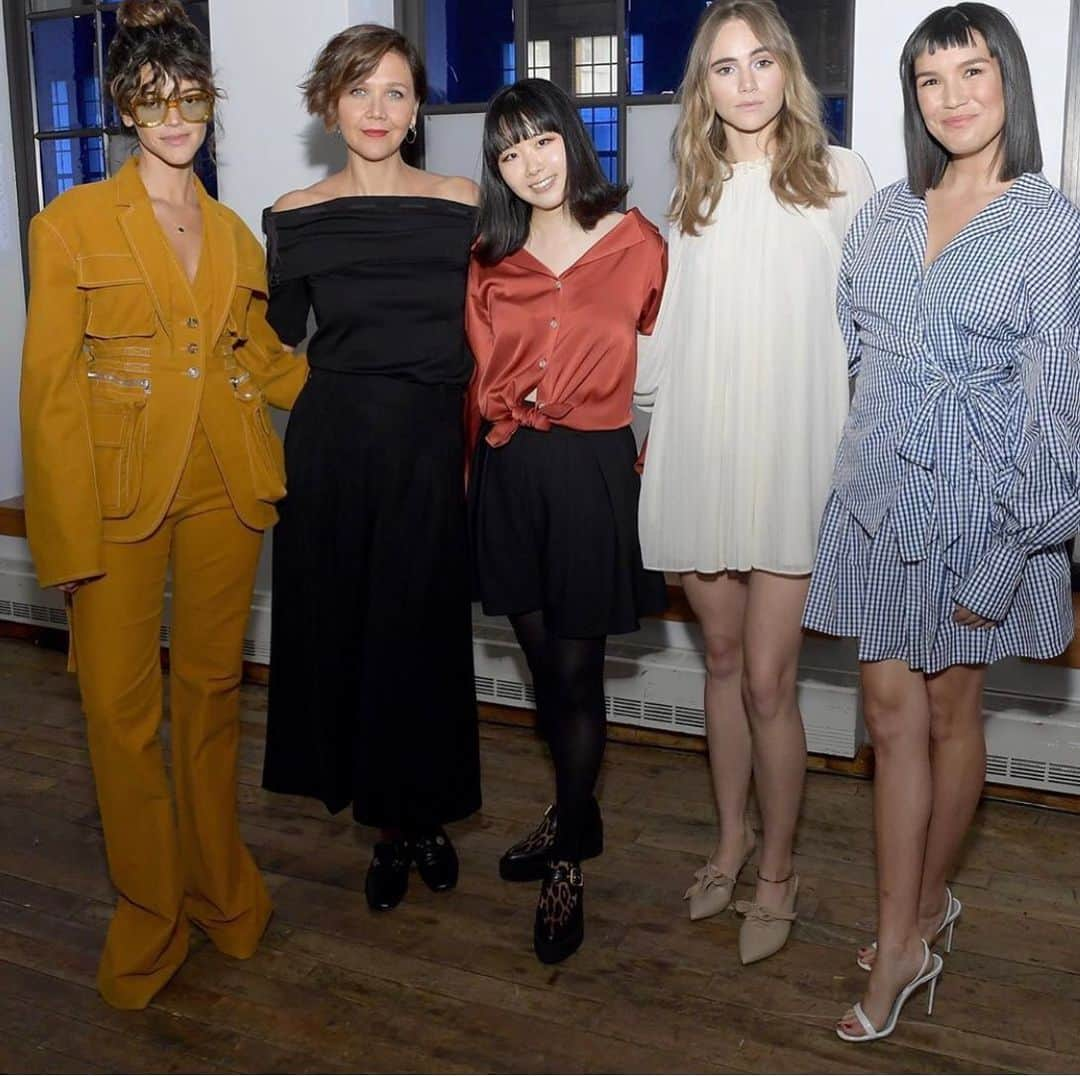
[(146, 14)]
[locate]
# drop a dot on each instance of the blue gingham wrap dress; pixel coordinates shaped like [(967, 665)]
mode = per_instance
[(956, 479)]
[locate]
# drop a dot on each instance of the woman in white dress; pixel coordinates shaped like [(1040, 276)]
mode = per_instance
[(747, 379)]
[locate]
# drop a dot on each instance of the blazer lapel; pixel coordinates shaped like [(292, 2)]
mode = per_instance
[(219, 243), (148, 246)]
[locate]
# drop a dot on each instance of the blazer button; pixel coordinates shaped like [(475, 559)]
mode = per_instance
[(192, 371), (192, 323), (554, 323), (193, 349)]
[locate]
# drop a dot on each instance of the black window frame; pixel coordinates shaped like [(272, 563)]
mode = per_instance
[(409, 17)]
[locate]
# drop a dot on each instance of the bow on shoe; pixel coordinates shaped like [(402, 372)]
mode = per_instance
[(707, 877), (752, 910)]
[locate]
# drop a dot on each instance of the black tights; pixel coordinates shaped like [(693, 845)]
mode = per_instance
[(568, 678)]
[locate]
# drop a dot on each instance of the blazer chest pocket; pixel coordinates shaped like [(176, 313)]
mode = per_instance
[(250, 285), (118, 301), (118, 430)]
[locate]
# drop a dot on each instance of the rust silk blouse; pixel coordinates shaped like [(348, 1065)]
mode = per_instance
[(571, 338)]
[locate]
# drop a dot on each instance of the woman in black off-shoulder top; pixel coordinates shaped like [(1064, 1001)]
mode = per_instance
[(372, 698)]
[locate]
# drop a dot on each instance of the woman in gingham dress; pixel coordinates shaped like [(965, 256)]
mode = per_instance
[(942, 545)]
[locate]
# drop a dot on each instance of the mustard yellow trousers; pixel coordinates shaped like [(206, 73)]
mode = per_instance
[(175, 856)]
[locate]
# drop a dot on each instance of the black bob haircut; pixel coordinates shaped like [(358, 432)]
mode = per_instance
[(952, 27), (530, 107)]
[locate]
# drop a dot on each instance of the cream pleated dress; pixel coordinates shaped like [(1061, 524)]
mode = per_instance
[(746, 375)]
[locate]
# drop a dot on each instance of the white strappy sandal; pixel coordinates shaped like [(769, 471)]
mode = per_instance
[(927, 973)]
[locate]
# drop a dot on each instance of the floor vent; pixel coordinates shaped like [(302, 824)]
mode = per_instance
[(627, 711), (510, 690), (1067, 776), (1026, 769), (690, 717), (659, 713)]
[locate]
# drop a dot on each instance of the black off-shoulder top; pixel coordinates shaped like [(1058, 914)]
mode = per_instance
[(385, 276)]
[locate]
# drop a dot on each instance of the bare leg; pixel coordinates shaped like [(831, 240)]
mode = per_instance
[(772, 640), (897, 710), (958, 771), (719, 603)]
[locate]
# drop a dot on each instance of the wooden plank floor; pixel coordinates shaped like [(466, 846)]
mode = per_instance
[(448, 983)]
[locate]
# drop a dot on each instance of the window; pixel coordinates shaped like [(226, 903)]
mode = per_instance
[(66, 130), (608, 54), (595, 67), (603, 127), (539, 66)]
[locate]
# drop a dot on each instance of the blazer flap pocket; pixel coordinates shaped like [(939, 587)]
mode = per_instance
[(107, 270), (119, 301)]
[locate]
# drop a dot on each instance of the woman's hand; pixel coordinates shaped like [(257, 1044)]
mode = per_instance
[(70, 588), (639, 463), (967, 619)]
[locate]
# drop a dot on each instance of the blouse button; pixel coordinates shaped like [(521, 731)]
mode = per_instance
[(558, 285), (542, 364), (192, 323), (554, 323), (193, 349)]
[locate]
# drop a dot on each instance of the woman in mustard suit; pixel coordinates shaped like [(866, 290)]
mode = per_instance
[(146, 369)]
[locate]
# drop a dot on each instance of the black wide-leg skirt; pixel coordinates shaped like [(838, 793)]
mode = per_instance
[(554, 527), (372, 696)]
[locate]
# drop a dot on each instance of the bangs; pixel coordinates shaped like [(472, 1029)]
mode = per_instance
[(949, 28), (516, 117), (167, 79)]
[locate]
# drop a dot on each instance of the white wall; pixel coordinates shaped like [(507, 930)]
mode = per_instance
[(12, 305), (882, 27), (269, 143)]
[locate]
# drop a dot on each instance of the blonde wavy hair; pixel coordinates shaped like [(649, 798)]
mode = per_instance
[(800, 170)]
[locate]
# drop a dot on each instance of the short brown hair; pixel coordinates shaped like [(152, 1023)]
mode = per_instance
[(351, 56)]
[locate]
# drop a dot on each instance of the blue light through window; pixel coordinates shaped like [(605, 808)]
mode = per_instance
[(603, 127)]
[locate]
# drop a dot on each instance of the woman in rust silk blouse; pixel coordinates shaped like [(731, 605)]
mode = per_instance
[(559, 287)]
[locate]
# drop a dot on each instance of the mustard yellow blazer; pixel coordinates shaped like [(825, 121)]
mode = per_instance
[(118, 365)]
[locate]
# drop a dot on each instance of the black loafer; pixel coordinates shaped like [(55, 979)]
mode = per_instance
[(527, 860), (559, 928), (435, 858), (388, 875)]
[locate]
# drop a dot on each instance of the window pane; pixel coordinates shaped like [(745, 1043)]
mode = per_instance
[(464, 42), (66, 162), (67, 87), (823, 29), (579, 36), (836, 111), (603, 126), (108, 32), (659, 37)]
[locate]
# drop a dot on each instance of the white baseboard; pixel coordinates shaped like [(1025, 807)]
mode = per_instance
[(655, 679)]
